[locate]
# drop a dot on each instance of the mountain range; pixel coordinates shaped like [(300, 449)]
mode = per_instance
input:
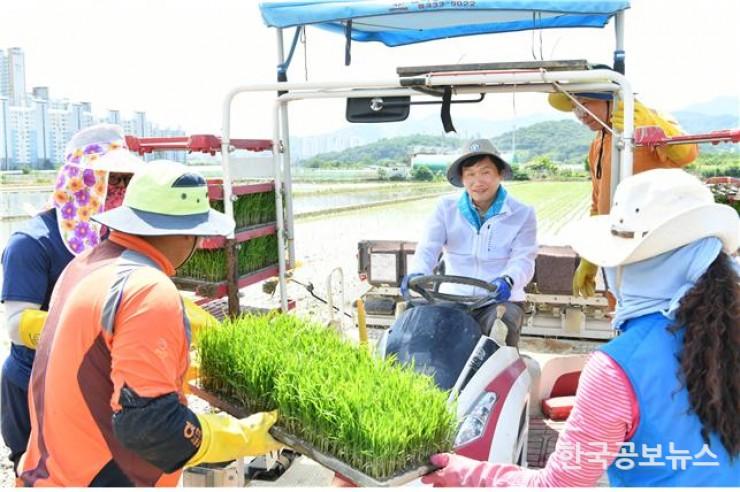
[(718, 113)]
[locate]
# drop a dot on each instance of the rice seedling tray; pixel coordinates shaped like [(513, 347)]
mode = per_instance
[(215, 290), (379, 419), (253, 204), (211, 265), (306, 449), (216, 190)]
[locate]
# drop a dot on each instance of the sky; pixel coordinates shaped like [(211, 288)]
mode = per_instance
[(177, 59)]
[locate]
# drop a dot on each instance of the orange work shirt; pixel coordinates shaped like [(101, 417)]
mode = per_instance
[(115, 318)]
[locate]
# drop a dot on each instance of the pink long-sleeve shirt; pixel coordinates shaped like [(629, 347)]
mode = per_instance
[(604, 415)]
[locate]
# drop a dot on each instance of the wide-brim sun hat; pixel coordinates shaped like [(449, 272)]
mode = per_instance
[(166, 198), (654, 212), (561, 102), (477, 148), (102, 148)]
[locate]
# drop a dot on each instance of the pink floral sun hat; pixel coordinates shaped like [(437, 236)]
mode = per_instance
[(82, 189)]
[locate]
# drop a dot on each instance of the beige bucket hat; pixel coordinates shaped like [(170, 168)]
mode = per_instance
[(654, 212), (476, 148)]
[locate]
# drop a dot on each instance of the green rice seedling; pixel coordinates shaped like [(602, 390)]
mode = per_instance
[(242, 209), (255, 211), (252, 209), (217, 205), (210, 264), (268, 208), (375, 415)]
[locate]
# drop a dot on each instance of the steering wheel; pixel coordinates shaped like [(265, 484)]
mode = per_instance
[(427, 287)]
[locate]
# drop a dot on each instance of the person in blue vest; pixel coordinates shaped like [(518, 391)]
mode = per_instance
[(92, 179), (486, 234), (659, 405)]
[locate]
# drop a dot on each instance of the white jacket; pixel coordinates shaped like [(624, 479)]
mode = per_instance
[(505, 245)]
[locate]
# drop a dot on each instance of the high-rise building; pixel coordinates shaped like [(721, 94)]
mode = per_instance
[(5, 142), (140, 124), (16, 76), (114, 117), (41, 133), (21, 137), (62, 122), (4, 82), (35, 129), (82, 116)]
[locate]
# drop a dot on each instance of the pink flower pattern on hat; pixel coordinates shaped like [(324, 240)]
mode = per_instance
[(79, 193), (82, 190), (86, 156)]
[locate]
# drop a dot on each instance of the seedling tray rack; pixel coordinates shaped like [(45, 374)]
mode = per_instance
[(234, 279)]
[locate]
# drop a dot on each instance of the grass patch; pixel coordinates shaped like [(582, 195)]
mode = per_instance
[(374, 415)]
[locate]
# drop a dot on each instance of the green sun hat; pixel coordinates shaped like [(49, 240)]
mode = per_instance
[(166, 198)]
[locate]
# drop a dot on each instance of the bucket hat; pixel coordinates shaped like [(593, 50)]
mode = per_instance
[(654, 212), (166, 198), (475, 148), (101, 147)]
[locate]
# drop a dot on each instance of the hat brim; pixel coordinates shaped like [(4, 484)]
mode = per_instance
[(118, 161), (593, 240), (561, 102), (454, 174), (137, 222)]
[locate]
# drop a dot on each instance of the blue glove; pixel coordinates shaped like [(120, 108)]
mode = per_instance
[(503, 288), (405, 283)]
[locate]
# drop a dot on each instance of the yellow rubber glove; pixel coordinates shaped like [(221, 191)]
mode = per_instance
[(30, 326), (226, 438), (199, 317), (584, 280), (644, 116), (192, 373)]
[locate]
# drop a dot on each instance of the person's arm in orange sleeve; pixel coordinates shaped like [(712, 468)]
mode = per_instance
[(149, 351)]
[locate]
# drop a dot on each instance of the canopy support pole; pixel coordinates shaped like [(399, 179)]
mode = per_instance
[(285, 147), (619, 54)]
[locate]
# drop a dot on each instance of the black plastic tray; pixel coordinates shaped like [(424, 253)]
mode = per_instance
[(306, 449)]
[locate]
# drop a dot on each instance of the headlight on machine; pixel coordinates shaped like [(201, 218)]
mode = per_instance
[(474, 424)]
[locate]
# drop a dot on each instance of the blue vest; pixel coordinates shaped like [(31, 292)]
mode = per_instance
[(32, 262), (648, 354)]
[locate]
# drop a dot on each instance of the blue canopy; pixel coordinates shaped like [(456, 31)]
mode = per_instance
[(397, 23)]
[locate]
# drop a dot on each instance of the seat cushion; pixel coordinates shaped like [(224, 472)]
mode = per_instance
[(558, 408)]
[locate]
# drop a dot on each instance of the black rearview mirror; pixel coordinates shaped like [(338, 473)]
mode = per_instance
[(377, 109)]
